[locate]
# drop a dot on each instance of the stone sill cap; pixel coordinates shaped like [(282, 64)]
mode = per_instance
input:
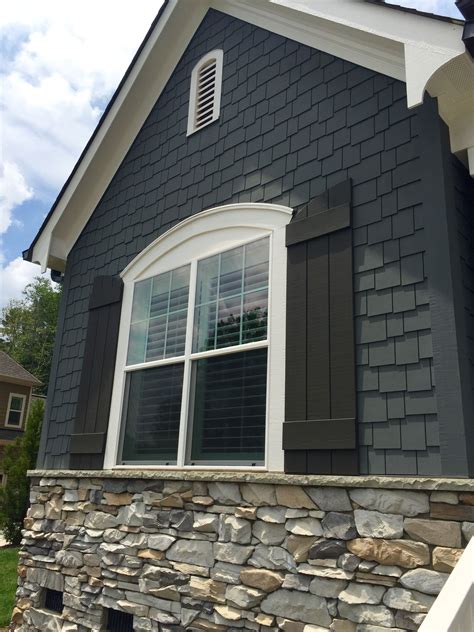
[(269, 478)]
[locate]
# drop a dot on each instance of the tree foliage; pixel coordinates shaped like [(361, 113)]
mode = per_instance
[(28, 327), (19, 457)]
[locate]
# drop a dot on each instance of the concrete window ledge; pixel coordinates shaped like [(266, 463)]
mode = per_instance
[(269, 478)]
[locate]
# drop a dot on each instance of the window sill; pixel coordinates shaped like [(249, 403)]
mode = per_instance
[(265, 477)]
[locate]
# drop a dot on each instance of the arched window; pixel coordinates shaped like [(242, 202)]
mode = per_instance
[(199, 377), (205, 93)]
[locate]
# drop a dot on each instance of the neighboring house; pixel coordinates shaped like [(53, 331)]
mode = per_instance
[(16, 386), (267, 325)]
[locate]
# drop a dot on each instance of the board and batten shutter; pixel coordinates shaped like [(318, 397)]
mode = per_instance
[(87, 445), (319, 433)]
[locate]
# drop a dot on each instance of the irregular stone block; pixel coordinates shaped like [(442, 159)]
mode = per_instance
[(348, 561), (451, 498), (233, 553), (206, 522), (225, 493), (452, 512), (258, 495), (299, 546), (234, 529), (409, 620), (199, 551), (263, 579), (273, 557), (160, 542), (69, 559), (466, 498), (441, 532), (272, 514), (403, 502), (296, 582), (468, 530), (327, 549), (269, 533), (445, 559), (424, 580), (100, 520), (342, 625), (362, 593), (294, 497), (207, 589), (404, 553), (229, 613), (228, 573), (338, 525), (407, 600), (330, 498), (304, 526), (132, 515), (329, 573), (298, 606), (117, 499), (363, 613), (330, 588), (374, 524), (250, 513), (243, 596)]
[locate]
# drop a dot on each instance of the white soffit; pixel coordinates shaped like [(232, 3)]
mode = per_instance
[(378, 38)]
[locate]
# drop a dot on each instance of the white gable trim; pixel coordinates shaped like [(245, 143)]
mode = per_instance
[(375, 37)]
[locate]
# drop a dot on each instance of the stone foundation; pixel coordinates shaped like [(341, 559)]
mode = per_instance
[(210, 551)]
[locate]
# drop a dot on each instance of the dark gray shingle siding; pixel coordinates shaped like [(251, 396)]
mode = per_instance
[(293, 122)]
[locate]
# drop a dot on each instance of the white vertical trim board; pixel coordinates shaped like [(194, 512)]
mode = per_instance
[(200, 236)]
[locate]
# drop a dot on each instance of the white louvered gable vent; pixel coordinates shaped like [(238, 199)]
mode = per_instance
[(205, 95)]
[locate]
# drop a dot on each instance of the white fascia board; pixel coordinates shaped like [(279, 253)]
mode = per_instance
[(143, 86)]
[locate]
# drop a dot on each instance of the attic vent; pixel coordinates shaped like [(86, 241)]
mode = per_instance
[(205, 96)]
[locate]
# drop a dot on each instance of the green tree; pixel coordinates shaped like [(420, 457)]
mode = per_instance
[(28, 327), (19, 457)]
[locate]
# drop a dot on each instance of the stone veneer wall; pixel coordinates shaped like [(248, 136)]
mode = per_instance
[(201, 551)]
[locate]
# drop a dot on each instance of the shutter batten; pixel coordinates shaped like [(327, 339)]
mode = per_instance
[(319, 433), (95, 390)]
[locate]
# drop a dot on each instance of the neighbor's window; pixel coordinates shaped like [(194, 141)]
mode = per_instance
[(197, 361), (205, 92), (16, 406)]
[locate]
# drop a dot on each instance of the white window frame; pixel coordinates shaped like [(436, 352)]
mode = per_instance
[(22, 412), (218, 56), (205, 234)]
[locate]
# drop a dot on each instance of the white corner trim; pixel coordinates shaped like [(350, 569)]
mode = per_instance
[(453, 609), (211, 231), (218, 57)]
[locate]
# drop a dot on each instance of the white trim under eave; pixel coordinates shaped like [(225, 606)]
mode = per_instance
[(363, 33)]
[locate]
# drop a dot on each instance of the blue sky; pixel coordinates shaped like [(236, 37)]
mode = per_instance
[(59, 64)]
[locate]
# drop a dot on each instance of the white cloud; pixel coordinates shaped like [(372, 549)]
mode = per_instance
[(14, 277), (13, 192)]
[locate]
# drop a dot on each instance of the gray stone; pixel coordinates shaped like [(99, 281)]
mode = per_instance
[(348, 561), (439, 532), (403, 502), (235, 530), (272, 514), (468, 530), (366, 627), (206, 522), (197, 552), (330, 498), (225, 493), (296, 582), (69, 559), (424, 580), (362, 593), (100, 520), (389, 571), (327, 549), (450, 498), (407, 600), (181, 520), (113, 535), (272, 557), (374, 524), (339, 525), (296, 513), (225, 572), (269, 533), (364, 613), (304, 526), (322, 571), (258, 495), (45, 578), (244, 596), (298, 606), (132, 515), (327, 587), (233, 553), (160, 542), (409, 620), (45, 621)]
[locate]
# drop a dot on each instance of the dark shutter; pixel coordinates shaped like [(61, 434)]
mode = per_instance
[(319, 433), (95, 391)]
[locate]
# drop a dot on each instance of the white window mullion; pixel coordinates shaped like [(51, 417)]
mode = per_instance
[(183, 420)]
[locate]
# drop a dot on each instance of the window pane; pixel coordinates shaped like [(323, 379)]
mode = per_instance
[(229, 406), (14, 418), (235, 284), (16, 403), (159, 316), (152, 414)]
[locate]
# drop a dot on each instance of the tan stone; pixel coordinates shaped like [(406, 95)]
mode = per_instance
[(261, 578), (227, 612), (246, 512), (371, 578), (17, 616), (299, 546), (445, 559), (206, 501), (151, 554), (466, 498), (190, 569), (404, 553), (118, 499), (52, 509), (175, 501), (264, 619), (440, 532), (209, 626), (290, 626), (452, 512), (258, 495), (343, 625), (294, 497), (207, 589), (94, 581)]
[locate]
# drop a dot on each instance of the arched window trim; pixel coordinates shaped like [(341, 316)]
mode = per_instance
[(202, 235), (193, 125)]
